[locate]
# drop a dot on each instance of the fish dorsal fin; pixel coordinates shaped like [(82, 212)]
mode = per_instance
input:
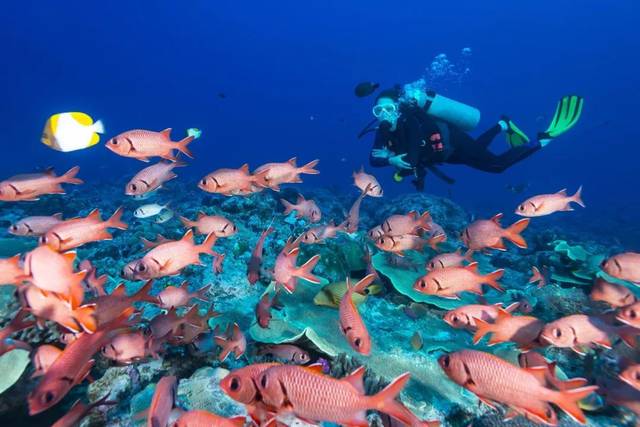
[(57, 215), (237, 333), (70, 256), (120, 291), (292, 161), (94, 214), (201, 215), (473, 267), (188, 236), (49, 171), (185, 285), (413, 215), (316, 368), (562, 192), (245, 168), (496, 218), (356, 379), (300, 199), (502, 314), (540, 372), (166, 133)]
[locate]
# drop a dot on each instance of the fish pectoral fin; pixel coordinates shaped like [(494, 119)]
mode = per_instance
[(604, 342)]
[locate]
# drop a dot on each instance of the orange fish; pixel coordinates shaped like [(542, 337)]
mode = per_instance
[(351, 323), (163, 326), (318, 235), (129, 270), (216, 224), (168, 259), (73, 365), (353, 217), (272, 175), (233, 341), (51, 271), (151, 178), (522, 330), (313, 396), (411, 223), (11, 272), (17, 324), (631, 376), (173, 296), (611, 293), (288, 352), (92, 280), (43, 358), (483, 234), (399, 244), (369, 263), (624, 266), (578, 331), (531, 359), (630, 315), (448, 282), (193, 326), (286, 273), (362, 180), (465, 317), (435, 240), (495, 381), (79, 411), (162, 402), (200, 418), (546, 204), (232, 182), (34, 226), (304, 209), (263, 309), (73, 233), (143, 144), (108, 307), (216, 266), (538, 277), (255, 262), (453, 259), (29, 187), (131, 347), (48, 306)]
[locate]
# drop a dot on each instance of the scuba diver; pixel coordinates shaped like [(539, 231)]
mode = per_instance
[(421, 129)]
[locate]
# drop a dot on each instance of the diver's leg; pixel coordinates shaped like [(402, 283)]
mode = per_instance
[(487, 137), (486, 161)]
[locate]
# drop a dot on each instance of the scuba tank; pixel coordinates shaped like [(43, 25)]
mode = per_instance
[(448, 110)]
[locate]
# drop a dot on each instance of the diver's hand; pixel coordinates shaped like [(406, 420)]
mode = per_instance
[(399, 163), (381, 153)]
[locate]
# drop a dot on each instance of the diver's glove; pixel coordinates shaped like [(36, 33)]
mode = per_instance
[(398, 162), (381, 153)]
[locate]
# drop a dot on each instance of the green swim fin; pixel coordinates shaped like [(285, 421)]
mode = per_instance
[(566, 116), (515, 136)]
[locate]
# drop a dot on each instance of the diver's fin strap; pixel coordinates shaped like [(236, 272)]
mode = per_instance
[(566, 116)]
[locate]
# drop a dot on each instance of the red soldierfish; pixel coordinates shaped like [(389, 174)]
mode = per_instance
[(304, 209), (275, 174), (143, 144), (448, 282), (11, 272), (367, 183), (73, 365), (483, 234), (108, 307), (353, 217), (151, 178), (630, 315), (48, 306), (351, 323), (631, 376), (453, 259), (411, 223), (233, 341), (34, 226), (168, 259), (314, 396), (162, 402), (624, 266), (611, 293), (255, 262), (286, 273), (399, 244), (216, 224), (173, 296), (546, 204), (288, 352), (73, 233), (318, 235), (531, 359), (29, 187), (17, 324), (495, 380), (538, 277), (522, 330), (92, 281), (131, 347), (465, 317), (263, 309), (231, 182), (79, 411), (43, 358), (200, 418)]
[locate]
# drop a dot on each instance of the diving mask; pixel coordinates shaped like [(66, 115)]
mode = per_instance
[(387, 110)]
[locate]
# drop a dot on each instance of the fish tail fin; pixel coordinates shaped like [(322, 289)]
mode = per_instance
[(288, 206), (98, 283), (469, 255), (425, 221), (116, 220), (513, 232), (202, 293), (98, 127), (568, 400), (577, 198), (144, 294), (536, 275), (187, 222), (491, 279), (309, 168), (305, 270), (85, 316), (207, 246), (436, 240), (483, 328), (403, 414), (363, 284), (386, 397), (181, 146), (226, 347), (69, 177)]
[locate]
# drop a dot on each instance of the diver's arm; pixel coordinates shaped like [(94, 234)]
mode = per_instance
[(379, 143)]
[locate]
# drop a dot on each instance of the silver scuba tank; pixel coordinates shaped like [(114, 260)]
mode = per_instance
[(448, 110)]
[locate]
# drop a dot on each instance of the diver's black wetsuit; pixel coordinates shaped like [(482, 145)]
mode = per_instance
[(428, 142)]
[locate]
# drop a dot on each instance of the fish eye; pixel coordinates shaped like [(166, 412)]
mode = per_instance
[(43, 240), (14, 227), (455, 319), (382, 241), (235, 384), (432, 265), (263, 381), (632, 314), (549, 413), (357, 342), (422, 284), (557, 332), (141, 267), (446, 360), (48, 397), (521, 208), (134, 187), (203, 182)]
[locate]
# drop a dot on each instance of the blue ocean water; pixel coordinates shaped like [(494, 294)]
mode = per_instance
[(267, 81)]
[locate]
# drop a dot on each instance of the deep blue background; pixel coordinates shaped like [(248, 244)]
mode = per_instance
[(158, 64)]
